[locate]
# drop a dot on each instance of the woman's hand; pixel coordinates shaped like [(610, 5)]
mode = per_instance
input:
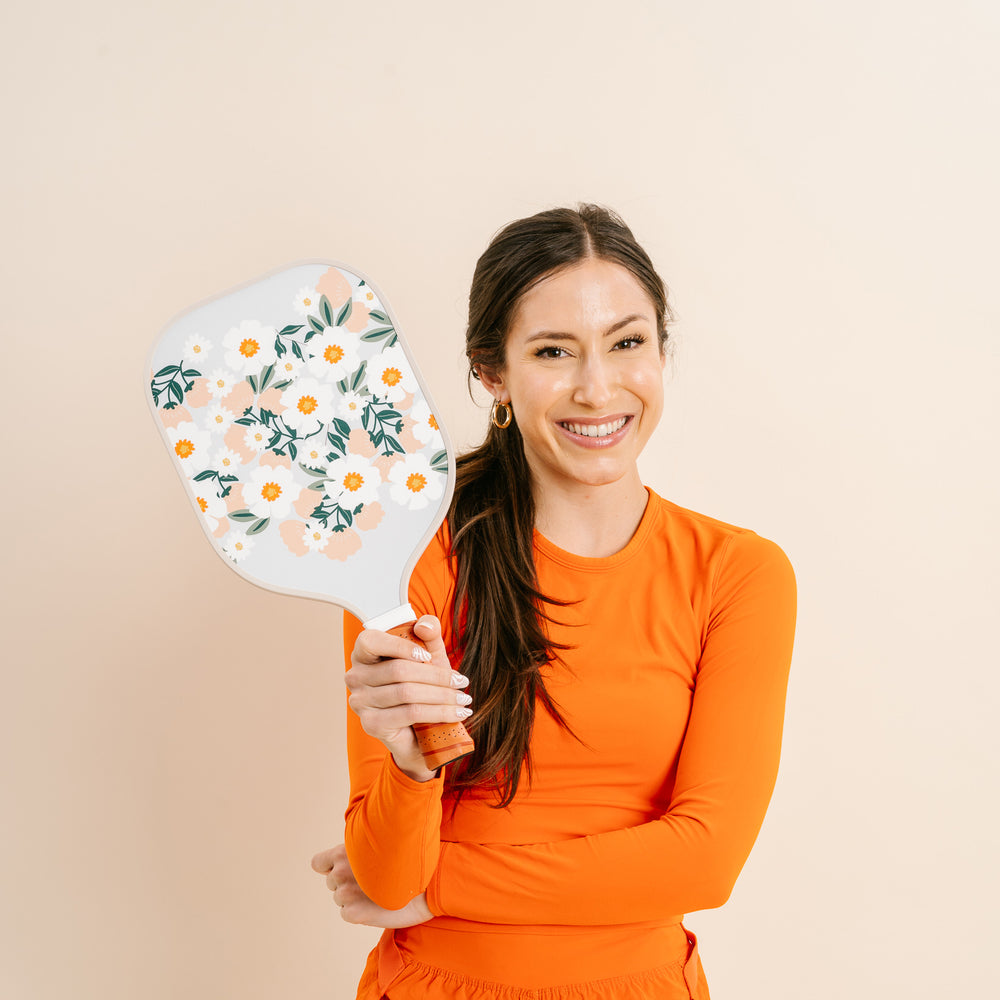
[(355, 906), (394, 683)]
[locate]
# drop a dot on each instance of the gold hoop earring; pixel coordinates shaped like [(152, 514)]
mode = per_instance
[(508, 414)]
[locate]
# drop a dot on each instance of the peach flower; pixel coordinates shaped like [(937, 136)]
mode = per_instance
[(370, 517), (335, 287), (199, 394)]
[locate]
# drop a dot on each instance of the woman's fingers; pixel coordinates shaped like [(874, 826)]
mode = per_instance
[(326, 860)]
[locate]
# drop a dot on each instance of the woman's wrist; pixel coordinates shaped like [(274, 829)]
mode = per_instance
[(415, 770)]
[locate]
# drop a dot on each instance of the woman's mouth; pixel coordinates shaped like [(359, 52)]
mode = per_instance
[(598, 433)]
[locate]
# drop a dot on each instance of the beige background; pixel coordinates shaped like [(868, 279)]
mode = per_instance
[(817, 182)]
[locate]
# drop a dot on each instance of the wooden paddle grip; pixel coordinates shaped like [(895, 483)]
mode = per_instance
[(442, 742)]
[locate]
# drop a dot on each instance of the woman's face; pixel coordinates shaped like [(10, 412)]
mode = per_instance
[(583, 375)]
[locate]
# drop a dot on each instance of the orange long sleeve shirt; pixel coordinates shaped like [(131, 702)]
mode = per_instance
[(674, 687)]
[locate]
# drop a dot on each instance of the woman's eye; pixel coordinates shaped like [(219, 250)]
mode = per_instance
[(549, 352), (630, 343)]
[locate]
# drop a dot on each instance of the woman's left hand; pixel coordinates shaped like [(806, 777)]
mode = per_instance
[(355, 906)]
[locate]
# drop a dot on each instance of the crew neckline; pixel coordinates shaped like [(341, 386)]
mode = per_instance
[(597, 563)]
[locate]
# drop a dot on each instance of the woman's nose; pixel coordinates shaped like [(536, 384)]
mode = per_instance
[(595, 383)]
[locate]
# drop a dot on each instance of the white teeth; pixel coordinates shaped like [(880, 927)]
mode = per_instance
[(596, 430)]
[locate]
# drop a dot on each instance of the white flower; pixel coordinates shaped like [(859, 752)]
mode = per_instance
[(217, 419), (270, 492), (313, 452), (364, 295), (191, 446), (236, 545), (249, 347), (226, 462), (426, 429), (333, 354), (306, 301), (195, 348), (315, 536), (308, 405), (221, 382), (287, 366), (256, 437), (414, 482), (389, 375), (353, 480), (351, 406), (212, 507)]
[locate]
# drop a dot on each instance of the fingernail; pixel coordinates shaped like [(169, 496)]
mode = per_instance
[(464, 699), (463, 713), (459, 681), (421, 654)]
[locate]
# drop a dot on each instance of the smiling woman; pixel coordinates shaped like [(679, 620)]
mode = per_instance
[(625, 659)]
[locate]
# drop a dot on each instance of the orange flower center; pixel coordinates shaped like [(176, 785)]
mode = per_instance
[(238, 546), (392, 376), (307, 302), (270, 492), (258, 436), (249, 347), (432, 421), (221, 383), (202, 503), (289, 367), (334, 353), (316, 536), (353, 481), (196, 349), (352, 405), (219, 418), (415, 482), (184, 448), (227, 461), (307, 404)]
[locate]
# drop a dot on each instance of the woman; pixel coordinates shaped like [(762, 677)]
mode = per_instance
[(626, 660)]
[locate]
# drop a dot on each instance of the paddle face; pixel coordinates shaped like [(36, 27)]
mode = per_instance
[(305, 435)]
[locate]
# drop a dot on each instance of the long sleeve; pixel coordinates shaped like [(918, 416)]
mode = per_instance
[(689, 858), (393, 823)]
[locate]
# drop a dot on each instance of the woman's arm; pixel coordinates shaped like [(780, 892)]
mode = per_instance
[(689, 858), (393, 819)]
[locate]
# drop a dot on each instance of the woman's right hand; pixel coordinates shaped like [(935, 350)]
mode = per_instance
[(394, 683)]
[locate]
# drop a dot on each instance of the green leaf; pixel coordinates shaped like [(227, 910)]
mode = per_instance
[(265, 377), (287, 331), (357, 510), (228, 479), (292, 450), (317, 326), (326, 310), (317, 473), (175, 391), (320, 485), (439, 463), (169, 406), (283, 384), (258, 526), (379, 316), (342, 386), (246, 421), (169, 370), (343, 427), (242, 515), (359, 376), (207, 474), (271, 444), (392, 341), (297, 351), (345, 312), (279, 347), (382, 331), (191, 373), (252, 382)]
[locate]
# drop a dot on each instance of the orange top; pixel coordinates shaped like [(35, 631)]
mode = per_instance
[(675, 688)]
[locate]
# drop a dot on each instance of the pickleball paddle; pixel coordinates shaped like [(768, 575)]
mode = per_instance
[(307, 443)]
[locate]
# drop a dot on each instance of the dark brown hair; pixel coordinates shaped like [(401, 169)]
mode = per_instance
[(500, 617)]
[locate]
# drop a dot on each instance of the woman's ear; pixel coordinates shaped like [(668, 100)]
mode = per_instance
[(493, 382)]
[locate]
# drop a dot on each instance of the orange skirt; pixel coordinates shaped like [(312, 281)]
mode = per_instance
[(580, 963)]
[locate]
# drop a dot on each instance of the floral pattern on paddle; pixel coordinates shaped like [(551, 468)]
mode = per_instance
[(311, 426)]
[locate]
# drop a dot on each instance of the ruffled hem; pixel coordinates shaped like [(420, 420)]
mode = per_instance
[(390, 975)]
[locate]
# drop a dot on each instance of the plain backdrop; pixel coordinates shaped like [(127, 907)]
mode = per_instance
[(817, 182)]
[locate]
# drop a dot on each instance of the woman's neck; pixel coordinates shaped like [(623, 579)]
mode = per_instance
[(596, 521)]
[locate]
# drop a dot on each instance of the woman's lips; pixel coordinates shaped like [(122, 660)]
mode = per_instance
[(596, 433)]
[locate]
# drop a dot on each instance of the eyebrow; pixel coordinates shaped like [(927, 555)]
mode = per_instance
[(563, 335)]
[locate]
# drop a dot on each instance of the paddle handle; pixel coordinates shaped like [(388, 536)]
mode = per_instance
[(443, 742)]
